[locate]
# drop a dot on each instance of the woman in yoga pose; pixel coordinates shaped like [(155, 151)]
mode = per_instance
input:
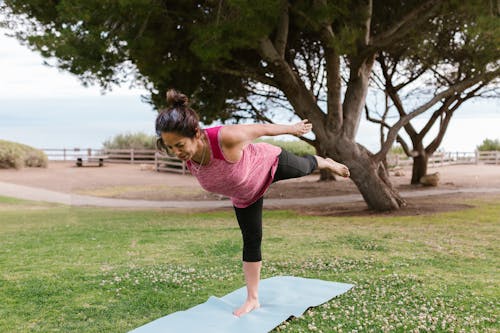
[(225, 161)]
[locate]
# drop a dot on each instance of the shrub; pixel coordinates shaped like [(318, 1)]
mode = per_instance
[(489, 145), (16, 155), (131, 141), (299, 148), (397, 150)]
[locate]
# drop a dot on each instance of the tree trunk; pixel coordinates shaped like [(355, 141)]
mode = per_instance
[(371, 178), (339, 142), (325, 176), (419, 167)]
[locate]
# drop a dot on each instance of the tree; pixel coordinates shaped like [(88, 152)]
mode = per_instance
[(463, 51), (232, 56)]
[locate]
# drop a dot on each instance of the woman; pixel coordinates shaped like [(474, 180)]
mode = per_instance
[(225, 161)]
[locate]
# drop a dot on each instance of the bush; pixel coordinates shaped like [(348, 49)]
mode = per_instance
[(299, 148), (131, 141), (16, 155), (489, 145), (397, 150)]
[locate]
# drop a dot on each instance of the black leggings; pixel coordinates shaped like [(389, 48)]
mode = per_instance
[(250, 218)]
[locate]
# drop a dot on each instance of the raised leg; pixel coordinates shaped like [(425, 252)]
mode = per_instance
[(335, 167)]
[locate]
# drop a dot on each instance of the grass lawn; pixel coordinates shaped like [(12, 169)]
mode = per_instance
[(100, 270)]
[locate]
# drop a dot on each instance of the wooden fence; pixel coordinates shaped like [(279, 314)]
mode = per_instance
[(69, 154), (488, 157), (449, 158), (163, 162), (131, 156), (438, 159)]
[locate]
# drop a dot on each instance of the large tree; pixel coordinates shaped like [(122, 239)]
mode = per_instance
[(408, 79), (226, 53)]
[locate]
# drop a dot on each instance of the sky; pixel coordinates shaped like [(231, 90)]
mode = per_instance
[(44, 107)]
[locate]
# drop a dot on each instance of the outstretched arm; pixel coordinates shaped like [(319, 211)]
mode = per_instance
[(235, 137)]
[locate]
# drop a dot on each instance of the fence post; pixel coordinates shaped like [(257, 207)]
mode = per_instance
[(132, 156), (64, 154), (476, 156), (497, 155), (156, 161)]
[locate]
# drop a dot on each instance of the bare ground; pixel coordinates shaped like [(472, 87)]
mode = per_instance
[(140, 182)]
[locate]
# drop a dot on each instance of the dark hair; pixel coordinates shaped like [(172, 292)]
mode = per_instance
[(178, 117)]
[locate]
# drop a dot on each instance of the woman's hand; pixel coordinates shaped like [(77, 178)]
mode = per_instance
[(301, 128)]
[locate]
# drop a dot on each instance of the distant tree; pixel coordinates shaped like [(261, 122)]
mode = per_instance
[(131, 141), (468, 50), (489, 145), (237, 59)]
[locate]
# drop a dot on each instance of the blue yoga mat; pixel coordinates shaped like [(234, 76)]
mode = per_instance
[(280, 298)]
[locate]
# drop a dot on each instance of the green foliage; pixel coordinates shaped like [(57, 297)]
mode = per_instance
[(131, 141), (489, 145), (16, 155), (298, 147), (397, 150)]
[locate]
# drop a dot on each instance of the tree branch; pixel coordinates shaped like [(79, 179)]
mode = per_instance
[(282, 32), (431, 148), (259, 114), (248, 74), (461, 86), (411, 79), (333, 80), (396, 99), (405, 24), (382, 123), (292, 86), (368, 22)]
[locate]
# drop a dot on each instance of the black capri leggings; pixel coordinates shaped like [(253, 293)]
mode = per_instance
[(250, 218)]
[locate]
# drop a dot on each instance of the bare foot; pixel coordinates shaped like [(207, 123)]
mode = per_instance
[(248, 306), (338, 168)]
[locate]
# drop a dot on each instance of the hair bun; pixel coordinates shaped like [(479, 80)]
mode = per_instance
[(176, 99)]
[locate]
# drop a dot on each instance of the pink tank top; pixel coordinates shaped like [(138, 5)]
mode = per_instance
[(244, 181)]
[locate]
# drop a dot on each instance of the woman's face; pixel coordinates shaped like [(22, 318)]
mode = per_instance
[(183, 147)]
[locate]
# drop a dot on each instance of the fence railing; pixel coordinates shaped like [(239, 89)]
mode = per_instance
[(132, 156), (70, 154), (488, 157), (448, 158), (163, 162)]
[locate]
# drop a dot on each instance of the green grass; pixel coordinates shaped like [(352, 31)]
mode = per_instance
[(97, 270)]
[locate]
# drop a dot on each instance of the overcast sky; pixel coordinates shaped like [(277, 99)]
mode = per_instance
[(24, 76), (48, 108)]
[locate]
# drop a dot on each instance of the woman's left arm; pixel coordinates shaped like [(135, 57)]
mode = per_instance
[(241, 135)]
